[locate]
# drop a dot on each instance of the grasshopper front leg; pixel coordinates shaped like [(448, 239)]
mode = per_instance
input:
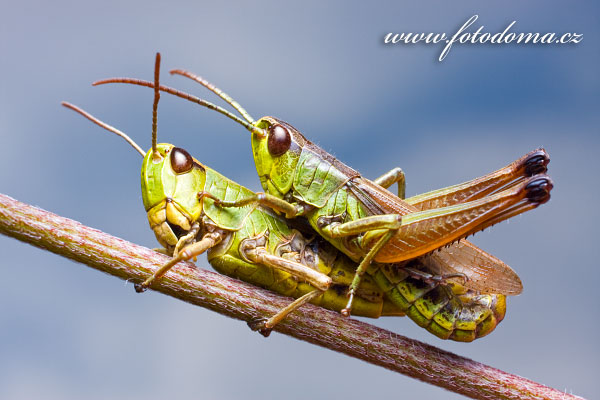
[(188, 252), (263, 199)]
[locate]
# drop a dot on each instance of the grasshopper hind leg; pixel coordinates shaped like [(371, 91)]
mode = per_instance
[(529, 165), (265, 326), (434, 279)]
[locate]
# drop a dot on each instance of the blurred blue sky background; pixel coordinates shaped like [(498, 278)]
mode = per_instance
[(70, 332)]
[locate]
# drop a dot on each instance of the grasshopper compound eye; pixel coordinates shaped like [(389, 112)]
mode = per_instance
[(279, 140), (181, 161)]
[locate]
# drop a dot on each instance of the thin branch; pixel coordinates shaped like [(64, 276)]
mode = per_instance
[(246, 302)]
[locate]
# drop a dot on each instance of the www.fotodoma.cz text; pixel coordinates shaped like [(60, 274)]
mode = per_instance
[(479, 37)]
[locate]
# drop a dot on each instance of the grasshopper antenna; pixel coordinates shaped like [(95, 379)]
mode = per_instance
[(216, 91), (105, 126), (260, 132), (155, 155)]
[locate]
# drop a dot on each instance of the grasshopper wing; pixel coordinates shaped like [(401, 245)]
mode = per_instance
[(485, 273)]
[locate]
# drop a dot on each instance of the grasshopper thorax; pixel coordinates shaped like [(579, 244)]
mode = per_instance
[(171, 182)]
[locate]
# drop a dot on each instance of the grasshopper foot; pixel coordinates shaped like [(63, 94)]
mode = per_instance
[(259, 325), (140, 287), (538, 189), (536, 162), (348, 310)]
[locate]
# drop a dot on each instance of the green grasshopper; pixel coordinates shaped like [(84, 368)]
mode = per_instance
[(367, 222), (256, 245)]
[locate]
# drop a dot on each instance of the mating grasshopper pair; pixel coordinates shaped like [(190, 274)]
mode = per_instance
[(387, 266)]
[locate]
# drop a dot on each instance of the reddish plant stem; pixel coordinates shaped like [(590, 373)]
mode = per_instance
[(246, 302)]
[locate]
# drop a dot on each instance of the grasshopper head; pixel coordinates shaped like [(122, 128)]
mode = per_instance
[(171, 180), (276, 154)]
